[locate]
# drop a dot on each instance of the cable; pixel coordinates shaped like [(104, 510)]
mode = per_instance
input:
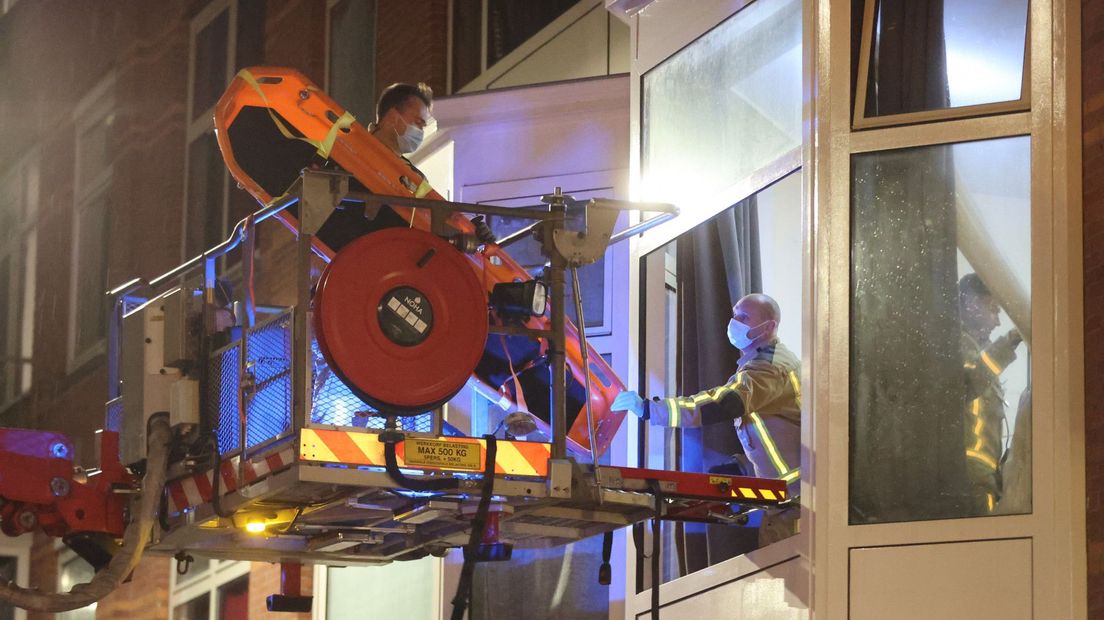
[(391, 462), (135, 538), (471, 550)]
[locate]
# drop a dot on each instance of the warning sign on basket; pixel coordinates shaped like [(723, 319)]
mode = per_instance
[(442, 454)]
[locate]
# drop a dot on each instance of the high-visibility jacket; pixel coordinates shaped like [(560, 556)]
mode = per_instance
[(983, 364), (763, 399)]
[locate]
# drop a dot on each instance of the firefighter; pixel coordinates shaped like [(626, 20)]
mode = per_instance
[(983, 361), (402, 113), (763, 399)]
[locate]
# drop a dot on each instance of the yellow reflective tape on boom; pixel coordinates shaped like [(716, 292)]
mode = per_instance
[(793, 475), (772, 450)]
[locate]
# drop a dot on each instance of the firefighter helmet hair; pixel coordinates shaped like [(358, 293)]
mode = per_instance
[(397, 94), (971, 285)]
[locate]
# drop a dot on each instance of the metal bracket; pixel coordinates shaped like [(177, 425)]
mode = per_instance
[(587, 231), (559, 477), (322, 192)]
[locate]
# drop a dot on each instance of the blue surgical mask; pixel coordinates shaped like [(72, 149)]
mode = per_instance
[(738, 334), (411, 139)]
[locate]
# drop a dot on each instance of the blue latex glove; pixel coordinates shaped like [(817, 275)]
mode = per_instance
[(629, 401)]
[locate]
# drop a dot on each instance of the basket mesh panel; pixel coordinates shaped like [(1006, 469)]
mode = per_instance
[(334, 403), (223, 397), (269, 410)]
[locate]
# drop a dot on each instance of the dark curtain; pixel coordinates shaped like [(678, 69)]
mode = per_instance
[(906, 386), (718, 263), (908, 61)]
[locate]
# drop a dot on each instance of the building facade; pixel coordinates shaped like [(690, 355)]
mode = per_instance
[(863, 173)]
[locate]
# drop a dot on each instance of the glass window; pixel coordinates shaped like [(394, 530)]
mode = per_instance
[(928, 56), (73, 570), (750, 67), (690, 286), (210, 64), (512, 22), (234, 599), (91, 282), (353, 57), (199, 608), (486, 31), (9, 568), (940, 332), (206, 182), (348, 588), (94, 148), (210, 590)]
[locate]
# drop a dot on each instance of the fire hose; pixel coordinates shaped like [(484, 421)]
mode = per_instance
[(135, 538)]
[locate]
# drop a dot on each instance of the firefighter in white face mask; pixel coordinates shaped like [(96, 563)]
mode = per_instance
[(763, 399)]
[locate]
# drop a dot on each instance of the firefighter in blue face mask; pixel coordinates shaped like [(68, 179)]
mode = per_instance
[(763, 399), (984, 361), (402, 114)]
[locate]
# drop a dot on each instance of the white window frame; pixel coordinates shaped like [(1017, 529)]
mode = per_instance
[(202, 122), (97, 105), (22, 180), (191, 587)]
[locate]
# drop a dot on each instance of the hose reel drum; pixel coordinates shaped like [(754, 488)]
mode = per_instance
[(401, 318)]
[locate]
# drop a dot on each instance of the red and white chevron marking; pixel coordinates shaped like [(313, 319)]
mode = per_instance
[(197, 489)]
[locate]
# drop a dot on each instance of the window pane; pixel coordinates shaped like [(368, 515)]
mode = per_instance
[(206, 175), (511, 22), (198, 608), (750, 67), (940, 332), (348, 588), (8, 567), (467, 23), (91, 272), (690, 287), (94, 155), (210, 65), (234, 599), (70, 573), (936, 55), (353, 57)]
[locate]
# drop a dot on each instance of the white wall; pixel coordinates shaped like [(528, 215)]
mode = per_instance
[(780, 250)]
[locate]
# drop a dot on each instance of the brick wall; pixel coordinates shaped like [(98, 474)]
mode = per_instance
[(52, 52), (412, 39), (1092, 84)]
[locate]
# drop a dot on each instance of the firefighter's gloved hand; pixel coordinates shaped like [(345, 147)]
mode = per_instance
[(1002, 351), (483, 232), (629, 401)]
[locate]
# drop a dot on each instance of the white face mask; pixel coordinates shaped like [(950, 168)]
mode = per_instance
[(411, 139), (738, 334)]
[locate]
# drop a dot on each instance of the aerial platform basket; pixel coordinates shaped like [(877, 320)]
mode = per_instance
[(303, 473)]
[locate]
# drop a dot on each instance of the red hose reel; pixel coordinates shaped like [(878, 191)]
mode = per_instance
[(402, 319)]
